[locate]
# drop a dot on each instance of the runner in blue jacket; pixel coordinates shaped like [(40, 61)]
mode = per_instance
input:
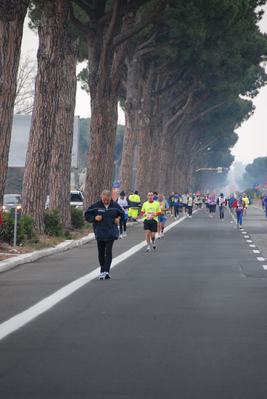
[(105, 216)]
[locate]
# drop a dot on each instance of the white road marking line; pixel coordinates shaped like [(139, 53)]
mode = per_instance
[(36, 310), (256, 251), (249, 240), (246, 236), (260, 259), (252, 245), (264, 267), (244, 232)]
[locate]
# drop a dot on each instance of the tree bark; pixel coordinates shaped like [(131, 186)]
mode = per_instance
[(132, 106), (12, 15), (61, 152), (46, 109), (105, 66)]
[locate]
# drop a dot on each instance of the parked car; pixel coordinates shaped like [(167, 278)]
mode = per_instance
[(76, 199), (11, 201)]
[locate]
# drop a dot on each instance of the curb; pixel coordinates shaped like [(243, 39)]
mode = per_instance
[(32, 256)]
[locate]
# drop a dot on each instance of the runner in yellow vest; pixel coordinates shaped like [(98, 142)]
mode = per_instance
[(133, 212), (151, 210)]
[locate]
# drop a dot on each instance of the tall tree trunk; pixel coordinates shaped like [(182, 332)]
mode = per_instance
[(129, 141), (12, 15), (46, 106), (105, 68), (63, 140)]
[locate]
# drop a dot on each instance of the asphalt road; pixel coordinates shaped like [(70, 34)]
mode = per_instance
[(187, 321)]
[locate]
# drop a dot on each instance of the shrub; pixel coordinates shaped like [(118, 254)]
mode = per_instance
[(53, 227), (26, 226), (7, 229), (77, 218)]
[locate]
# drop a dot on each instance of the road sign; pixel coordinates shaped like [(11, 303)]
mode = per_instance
[(265, 186), (255, 185)]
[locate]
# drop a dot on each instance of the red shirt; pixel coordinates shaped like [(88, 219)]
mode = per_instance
[(239, 205)]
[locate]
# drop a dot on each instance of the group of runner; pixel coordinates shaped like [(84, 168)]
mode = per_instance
[(106, 215)]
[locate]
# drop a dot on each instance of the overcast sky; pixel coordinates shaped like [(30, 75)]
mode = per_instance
[(252, 141)]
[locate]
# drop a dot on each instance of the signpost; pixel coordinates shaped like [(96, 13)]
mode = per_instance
[(115, 190), (265, 187)]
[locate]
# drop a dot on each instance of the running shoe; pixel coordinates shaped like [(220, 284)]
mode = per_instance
[(175, 218), (102, 276), (159, 237), (148, 249), (124, 234), (120, 236), (107, 276), (154, 245), (162, 235)]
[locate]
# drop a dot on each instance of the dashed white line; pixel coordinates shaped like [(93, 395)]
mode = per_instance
[(260, 259), (256, 251), (252, 245), (246, 236), (264, 267), (249, 240)]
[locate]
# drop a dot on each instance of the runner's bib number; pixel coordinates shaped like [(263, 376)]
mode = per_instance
[(150, 215)]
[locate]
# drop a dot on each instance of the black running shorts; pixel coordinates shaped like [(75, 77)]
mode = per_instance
[(151, 225)]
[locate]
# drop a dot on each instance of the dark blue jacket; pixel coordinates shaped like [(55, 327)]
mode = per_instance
[(107, 229)]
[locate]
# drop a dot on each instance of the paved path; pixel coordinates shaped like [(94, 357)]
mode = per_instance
[(186, 321)]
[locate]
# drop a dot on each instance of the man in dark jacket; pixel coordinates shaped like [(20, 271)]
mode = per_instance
[(105, 216)]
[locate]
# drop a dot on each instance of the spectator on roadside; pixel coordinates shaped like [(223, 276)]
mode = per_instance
[(105, 215)]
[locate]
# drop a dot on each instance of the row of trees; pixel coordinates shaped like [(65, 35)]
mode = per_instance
[(178, 68), (256, 173)]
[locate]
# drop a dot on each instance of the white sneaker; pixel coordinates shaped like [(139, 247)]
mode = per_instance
[(154, 246), (102, 276), (107, 276), (120, 236), (162, 235), (124, 234), (148, 249), (175, 218)]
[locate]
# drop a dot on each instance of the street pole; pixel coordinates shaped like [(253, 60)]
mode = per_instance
[(15, 228), (16, 225)]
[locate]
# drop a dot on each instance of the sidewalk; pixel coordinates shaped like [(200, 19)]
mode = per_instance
[(32, 256)]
